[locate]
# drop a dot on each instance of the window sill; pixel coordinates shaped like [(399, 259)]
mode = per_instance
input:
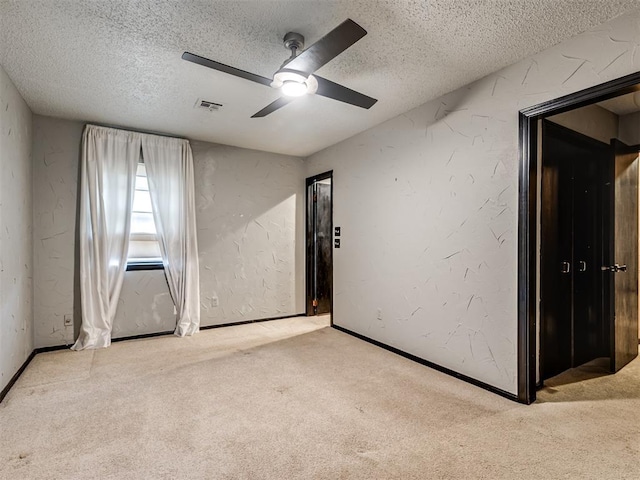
[(136, 266)]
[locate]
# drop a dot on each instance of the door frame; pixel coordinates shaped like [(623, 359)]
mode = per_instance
[(528, 227), (307, 260)]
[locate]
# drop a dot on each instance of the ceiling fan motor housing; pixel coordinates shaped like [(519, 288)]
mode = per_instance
[(293, 41)]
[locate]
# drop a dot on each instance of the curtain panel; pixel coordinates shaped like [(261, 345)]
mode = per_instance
[(107, 181), (169, 164)]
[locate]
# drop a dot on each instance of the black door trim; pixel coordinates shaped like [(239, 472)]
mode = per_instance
[(527, 215), (307, 260)]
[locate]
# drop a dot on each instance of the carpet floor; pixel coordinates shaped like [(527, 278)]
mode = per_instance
[(294, 399)]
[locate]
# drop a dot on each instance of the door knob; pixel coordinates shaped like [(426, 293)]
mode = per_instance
[(614, 268)]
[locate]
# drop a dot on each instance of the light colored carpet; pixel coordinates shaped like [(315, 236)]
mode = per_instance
[(292, 399)]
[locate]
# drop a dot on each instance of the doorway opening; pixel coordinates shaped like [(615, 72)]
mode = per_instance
[(578, 233), (319, 235)]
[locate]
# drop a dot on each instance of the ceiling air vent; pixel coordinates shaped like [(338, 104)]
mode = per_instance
[(207, 105)]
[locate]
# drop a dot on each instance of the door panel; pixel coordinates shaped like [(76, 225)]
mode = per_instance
[(319, 245), (555, 327), (311, 248), (588, 326), (624, 296), (324, 248)]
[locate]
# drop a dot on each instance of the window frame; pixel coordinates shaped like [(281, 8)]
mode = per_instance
[(137, 266)]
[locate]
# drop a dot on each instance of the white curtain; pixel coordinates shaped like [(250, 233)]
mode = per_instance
[(169, 166), (109, 161)]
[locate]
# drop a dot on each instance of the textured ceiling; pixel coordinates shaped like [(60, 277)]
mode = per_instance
[(118, 62)]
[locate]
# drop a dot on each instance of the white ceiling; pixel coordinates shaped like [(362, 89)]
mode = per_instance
[(118, 62), (624, 104)]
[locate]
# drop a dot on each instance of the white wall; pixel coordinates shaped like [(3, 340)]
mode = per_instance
[(144, 306), (629, 131), (592, 121), (250, 219), (56, 149), (428, 207), (16, 244), (250, 209)]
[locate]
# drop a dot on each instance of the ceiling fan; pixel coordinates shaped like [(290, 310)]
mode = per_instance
[(296, 75)]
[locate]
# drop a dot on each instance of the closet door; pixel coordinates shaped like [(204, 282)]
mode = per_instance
[(621, 270), (573, 328), (589, 332), (556, 251)]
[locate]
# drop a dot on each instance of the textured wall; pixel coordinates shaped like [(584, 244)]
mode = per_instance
[(56, 150), (250, 219), (16, 252), (428, 205), (250, 228), (144, 306)]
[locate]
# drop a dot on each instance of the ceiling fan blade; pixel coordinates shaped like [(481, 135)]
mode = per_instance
[(272, 107), (205, 62), (328, 47), (329, 89)]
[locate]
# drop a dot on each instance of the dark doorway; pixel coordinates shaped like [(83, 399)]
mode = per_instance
[(319, 244), (574, 328), (621, 326)]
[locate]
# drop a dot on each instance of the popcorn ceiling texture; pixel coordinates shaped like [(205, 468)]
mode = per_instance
[(249, 213), (118, 62), (428, 206), (16, 253)]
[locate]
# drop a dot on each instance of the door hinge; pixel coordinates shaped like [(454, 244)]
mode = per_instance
[(315, 197)]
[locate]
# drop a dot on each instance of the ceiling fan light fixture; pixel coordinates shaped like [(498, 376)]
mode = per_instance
[(291, 88), (297, 70), (284, 75)]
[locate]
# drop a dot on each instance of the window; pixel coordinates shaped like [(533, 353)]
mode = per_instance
[(144, 249)]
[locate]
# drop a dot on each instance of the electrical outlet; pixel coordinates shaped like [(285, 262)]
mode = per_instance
[(214, 301), (68, 320)]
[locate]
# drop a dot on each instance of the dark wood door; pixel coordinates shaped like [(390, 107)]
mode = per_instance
[(319, 246), (573, 329), (323, 248), (622, 274), (590, 327), (555, 266)]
